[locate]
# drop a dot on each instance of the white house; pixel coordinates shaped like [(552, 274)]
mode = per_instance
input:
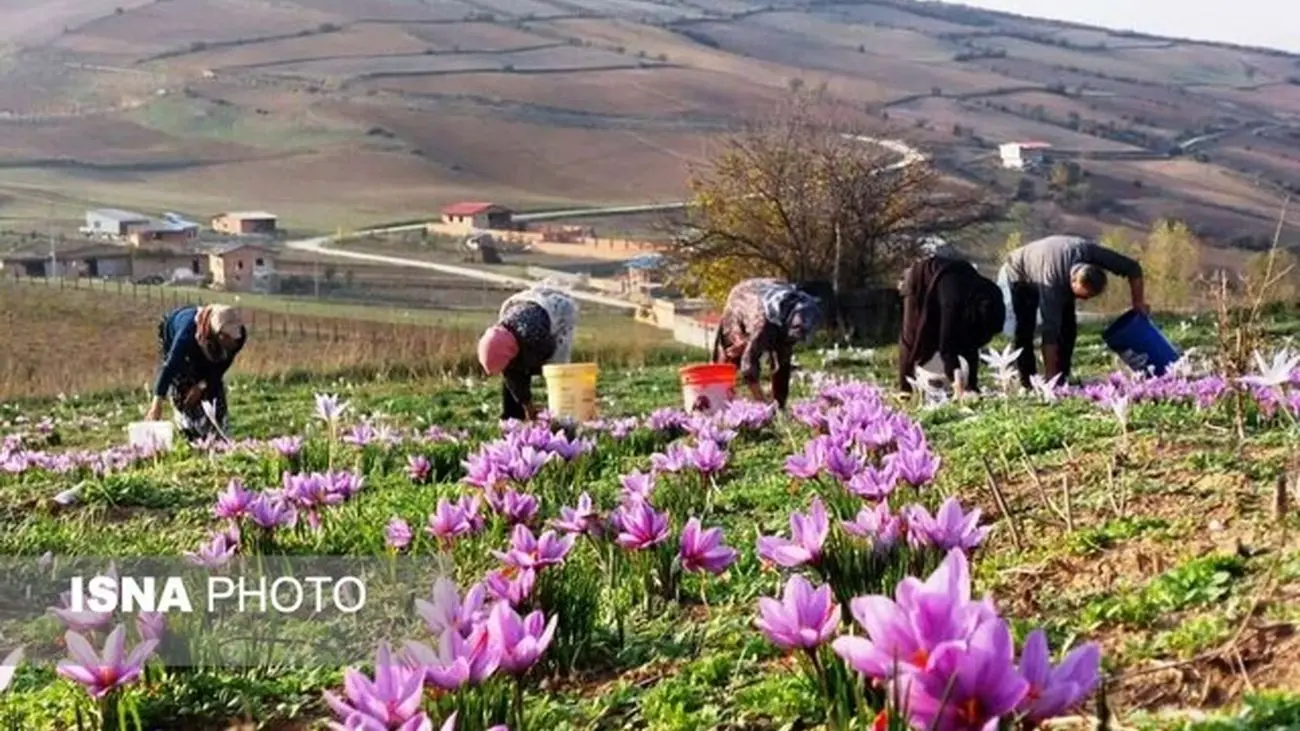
[(1023, 155)]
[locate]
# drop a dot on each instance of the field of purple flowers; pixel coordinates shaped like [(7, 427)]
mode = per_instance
[(1112, 552)]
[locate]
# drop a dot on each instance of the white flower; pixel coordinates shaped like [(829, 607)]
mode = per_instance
[(68, 496), (1046, 389), (1119, 405), (1275, 374)]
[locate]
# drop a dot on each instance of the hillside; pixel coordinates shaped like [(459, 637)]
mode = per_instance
[(336, 113)]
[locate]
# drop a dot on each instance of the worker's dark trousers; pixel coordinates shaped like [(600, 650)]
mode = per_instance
[(511, 407), (1024, 302)]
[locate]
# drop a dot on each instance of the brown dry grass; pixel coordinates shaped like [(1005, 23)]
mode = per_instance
[(75, 341)]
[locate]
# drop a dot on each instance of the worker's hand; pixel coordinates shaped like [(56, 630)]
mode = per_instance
[(154, 412)]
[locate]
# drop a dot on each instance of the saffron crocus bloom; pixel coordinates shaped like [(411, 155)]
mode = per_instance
[(516, 507), (84, 621), (448, 522), (448, 612), (576, 520), (804, 618), (1054, 691), (530, 552), (874, 483), (101, 674), (703, 550), (904, 633), (640, 527), (707, 458), (841, 463), (458, 661), (916, 466), (329, 408), (967, 686), (214, 554), (418, 468), (469, 505), (808, 535), (527, 463), (233, 503), (269, 512), (637, 484), (1275, 374), (390, 701), (511, 585), (287, 447), (948, 529), (671, 460), (806, 465), (151, 625), (521, 640), (397, 534), (878, 524)]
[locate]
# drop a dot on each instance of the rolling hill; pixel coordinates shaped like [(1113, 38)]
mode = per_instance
[(342, 112)]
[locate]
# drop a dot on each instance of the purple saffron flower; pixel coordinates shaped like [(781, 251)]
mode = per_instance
[(874, 483), (841, 463), (271, 512), (448, 522), (510, 585), (804, 618), (905, 633), (213, 554), (703, 550), (84, 621), (576, 520), (638, 485), (233, 503), (329, 408), (640, 527), (707, 457), (521, 641), (527, 463), (666, 420), (460, 659), (516, 507), (967, 686), (809, 463), (469, 505), (878, 524), (530, 552), (101, 674), (448, 611), (418, 468), (916, 467), (673, 459), (345, 484), (361, 435), (808, 535), (287, 447), (621, 428), (949, 528), (483, 472), (1054, 691), (397, 534), (391, 701)]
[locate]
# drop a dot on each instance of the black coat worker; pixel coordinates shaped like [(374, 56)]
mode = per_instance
[(765, 317), (951, 311), (1044, 278)]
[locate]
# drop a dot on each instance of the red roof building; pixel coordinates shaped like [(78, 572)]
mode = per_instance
[(477, 215)]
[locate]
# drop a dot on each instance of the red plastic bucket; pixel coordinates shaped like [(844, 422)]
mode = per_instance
[(708, 387)]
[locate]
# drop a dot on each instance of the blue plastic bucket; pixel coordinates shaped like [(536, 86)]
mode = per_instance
[(1140, 344)]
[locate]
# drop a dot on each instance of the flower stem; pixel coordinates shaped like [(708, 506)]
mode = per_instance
[(519, 704)]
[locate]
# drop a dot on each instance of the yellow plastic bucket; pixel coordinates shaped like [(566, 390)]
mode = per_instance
[(571, 390)]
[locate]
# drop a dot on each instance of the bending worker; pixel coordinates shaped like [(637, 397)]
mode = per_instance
[(1044, 278), (765, 317), (950, 312), (197, 346), (535, 328)]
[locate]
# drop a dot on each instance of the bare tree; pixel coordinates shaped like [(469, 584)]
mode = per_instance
[(795, 195)]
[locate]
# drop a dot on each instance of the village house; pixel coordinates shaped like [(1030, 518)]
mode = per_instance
[(113, 222), (242, 268), (165, 234), (245, 223), (472, 216), (104, 261), (1023, 155)]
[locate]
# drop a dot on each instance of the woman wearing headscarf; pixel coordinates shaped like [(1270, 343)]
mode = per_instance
[(535, 328), (197, 346), (765, 317), (950, 312)]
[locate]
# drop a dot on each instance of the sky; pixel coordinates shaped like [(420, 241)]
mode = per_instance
[(1270, 23)]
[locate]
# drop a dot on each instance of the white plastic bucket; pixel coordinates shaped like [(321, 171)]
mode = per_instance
[(151, 434)]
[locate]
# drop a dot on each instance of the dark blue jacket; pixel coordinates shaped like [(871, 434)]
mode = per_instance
[(182, 353)]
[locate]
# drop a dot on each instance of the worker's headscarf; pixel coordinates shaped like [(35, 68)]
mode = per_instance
[(213, 321), (496, 349), (798, 312)]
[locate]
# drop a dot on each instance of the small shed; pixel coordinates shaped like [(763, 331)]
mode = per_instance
[(245, 223), (1023, 155), (156, 233), (236, 267), (113, 222), (471, 215)]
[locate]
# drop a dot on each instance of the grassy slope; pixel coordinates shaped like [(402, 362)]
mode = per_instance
[(1170, 553)]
